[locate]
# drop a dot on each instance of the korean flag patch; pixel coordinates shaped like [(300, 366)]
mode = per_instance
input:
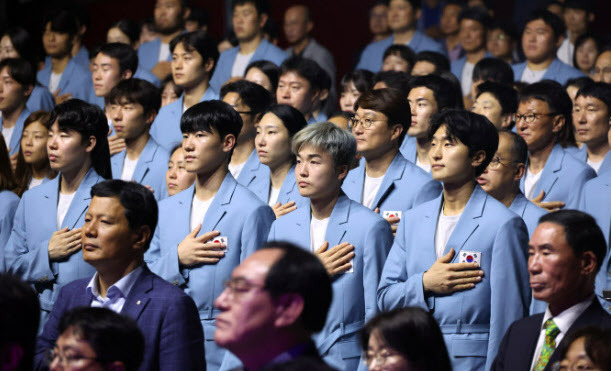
[(392, 214), (470, 257), (219, 239)]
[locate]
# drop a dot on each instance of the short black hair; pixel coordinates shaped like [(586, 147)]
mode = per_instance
[(587, 5), (414, 3), (440, 61), (394, 80), (596, 345), (291, 118), (19, 317), (253, 95), (581, 232), (262, 6), (598, 90), (271, 70), (519, 147), (200, 42), (62, 21), (306, 68), (130, 28), (362, 80), (199, 15), (473, 130), (404, 52), (505, 94), (477, 14), (22, 42), (493, 69), (391, 103), (300, 272), (20, 70), (556, 23), (87, 120), (579, 82), (177, 89), (136, 91), (505, 26), (559, 102), (137, 200), (112, 336), (123, 53), (445, 96)]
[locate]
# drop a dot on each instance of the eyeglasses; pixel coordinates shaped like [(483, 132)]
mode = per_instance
[(381, 357), (531, 117), (52, 354), (239, 286), (496, 163), (365, 123)]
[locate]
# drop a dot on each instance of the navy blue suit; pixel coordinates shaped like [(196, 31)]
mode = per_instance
[(167, 317)]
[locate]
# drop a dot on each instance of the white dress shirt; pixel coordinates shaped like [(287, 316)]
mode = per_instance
[(116, 294)]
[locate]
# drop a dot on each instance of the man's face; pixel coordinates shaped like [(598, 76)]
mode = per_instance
[(423, 105), (499, 177), (552, 265), (106, 74), (296, 24), (316, 174), (205, 152), (540, 132), (472, 35), (129, 120), (247, 23), (188, 69), (70, 346), (12, 94), (487, 105), (602, 68), (499, 43), (66, 149), (538, 41), (248, 123), (168, 16), (106, 237), (591, 119), (7, 50), (56, 44), (449, 159), (449, 19), (378, 19), (401, 15), (377, 139), (248, 312), (296, 91), (576, 20)]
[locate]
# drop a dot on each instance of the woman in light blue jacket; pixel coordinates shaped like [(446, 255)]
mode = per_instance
[(8, 199)]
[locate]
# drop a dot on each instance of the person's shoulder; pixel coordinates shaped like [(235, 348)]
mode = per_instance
[(246, 198), (229, 53), (163, 288), (169, 109), (574, 164), (76, 287), (381, 44), (361, 214), (496, 212), (8, 197), (602, 180), (149, 45), (42, 189)]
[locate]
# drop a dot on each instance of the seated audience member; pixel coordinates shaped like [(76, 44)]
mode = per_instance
[(403, 16), (119, 225), (170, 92), (19, 321), (17, 43), (385, 181), (392, 79), (197, 20), (275, 130), (573, 85), (592, 120), (249, 16), (577, 16), (587, 47), (98, 337), (33, 167), (62, 75), (134, 105), (398, 58), (554, 178), (8, 200), (45, 244), (502, 41), (350, 239), (272, 304), (341, 119), (194, 57), (501, 179), (586, 349), (177, 177), (498, 102), (602, 68), (468, 245), (564, 255), (263, 73), (450, 27), (427, 63), (490, 69), (17, 79), (168, 23), (474, 24), (541, 38), (428, 95), (354, 84), (148, 30), (301, 86), (404, 339), (249, 100), (208, 229), (112, 63)]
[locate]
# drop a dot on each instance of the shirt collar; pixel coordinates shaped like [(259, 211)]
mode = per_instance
[(566, 318), (121, 288)]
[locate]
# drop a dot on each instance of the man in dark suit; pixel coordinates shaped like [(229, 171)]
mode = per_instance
[(119, 225), (565, 253)]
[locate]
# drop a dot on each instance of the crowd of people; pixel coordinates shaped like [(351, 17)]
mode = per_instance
[(170, 202)]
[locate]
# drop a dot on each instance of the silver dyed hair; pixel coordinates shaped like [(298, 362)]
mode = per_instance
[(339, 143)]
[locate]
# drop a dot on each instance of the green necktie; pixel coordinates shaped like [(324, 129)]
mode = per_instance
[(551, 331)]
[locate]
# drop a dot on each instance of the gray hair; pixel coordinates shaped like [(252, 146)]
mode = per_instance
[(339, 143)]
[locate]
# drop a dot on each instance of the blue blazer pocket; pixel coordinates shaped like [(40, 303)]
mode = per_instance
[(470, 347), (350, 349)]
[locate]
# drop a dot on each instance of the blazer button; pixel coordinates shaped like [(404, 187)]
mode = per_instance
[(175, 283)]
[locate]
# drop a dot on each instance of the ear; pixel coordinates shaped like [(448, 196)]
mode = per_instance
[(310, 26), (142, 236), (91, 142), (418, 13), (28, 91), (116, 366), (342, 172), (591, 17), (316, 95), (478, 158), (324, 94), (229, 142), (82, 30), (559, 42), (588, 263), (506, 120), (395, 132), (288, 309), (150, 117), (209, 65), (519, 172), (559, 122), (127, 74), (186, 13), (11, 355), (262, 19)]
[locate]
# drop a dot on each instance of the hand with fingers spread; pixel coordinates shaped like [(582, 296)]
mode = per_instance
[(116, 144), (549, 206), (280, 209), (64, 243), (444, 277), (392, 220), (195, 250), (337, 259)]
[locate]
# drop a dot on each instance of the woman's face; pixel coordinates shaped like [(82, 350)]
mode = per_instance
[(586, 55), (34, 143), (177, 177), (576, 358), (7, 49), (258, 77), (272, 141), (381, 357), (168, 95), (348, 97)]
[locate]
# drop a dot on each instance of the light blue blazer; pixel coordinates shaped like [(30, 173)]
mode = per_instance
[(320, 118), (354, 294), (94, 99), (458, 65), (473, 321), (144, 74), (373, 54), (150, 168), (8, 207), (15, 140), (557, 71), (563, 178), (40, 99), (265, 51), (253, 170), (261, 186), (75, 80), (238, 215), (27, 252), (166, 127), (404, 186), (409, 149), (596, 201), (582, 155), (148, 54), (528, 211), (82, 57)]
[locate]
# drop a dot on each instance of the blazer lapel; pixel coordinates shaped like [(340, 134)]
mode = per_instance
[(338, 221), (468, 222), (394, 172), (145, 160), (66, 75), (288, 186), (519, 204), (552, 70), (426, 232), (81, 200), (48, 202), (218, 207), (16, 137), (549, 176), (355, 183), (138, 297), (301, 230), (261, 50), (116, 164)]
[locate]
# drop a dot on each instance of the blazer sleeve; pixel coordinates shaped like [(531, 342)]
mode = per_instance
[(578, 183), (509, 284), (256, 230), (376, 246), (163, 261), (7, 215)]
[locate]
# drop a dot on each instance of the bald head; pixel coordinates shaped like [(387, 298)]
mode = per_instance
[(297, 24), (602, 67)]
